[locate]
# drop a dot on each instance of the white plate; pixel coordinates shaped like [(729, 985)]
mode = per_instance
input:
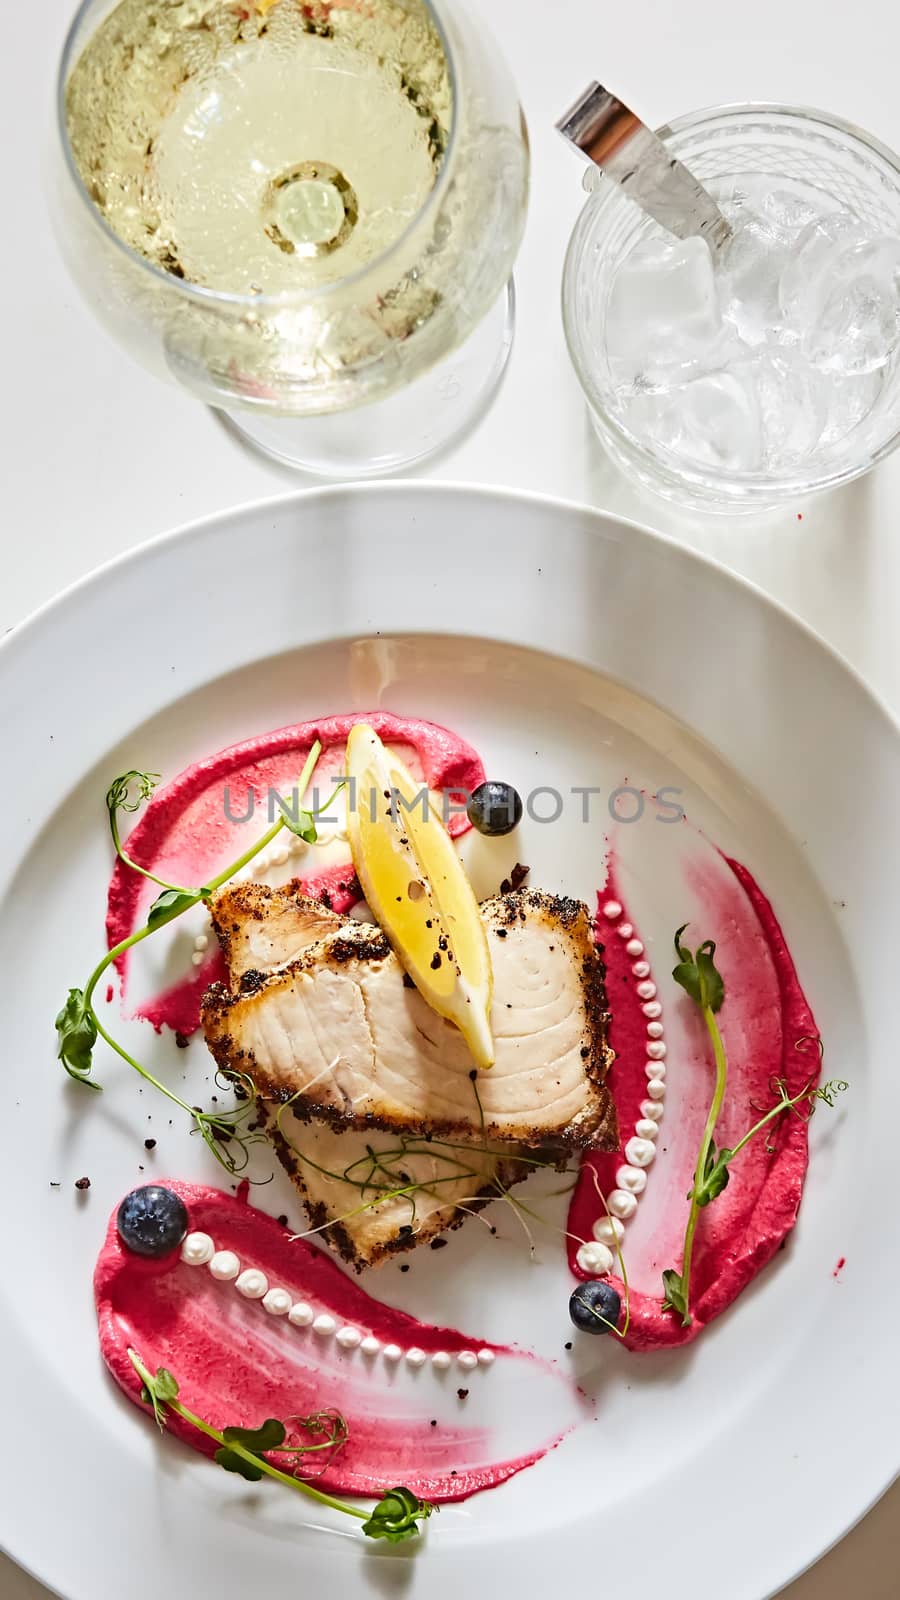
[(569, 648)]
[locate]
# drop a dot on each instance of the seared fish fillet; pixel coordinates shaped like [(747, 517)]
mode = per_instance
[(339, 1033), (262, 929)]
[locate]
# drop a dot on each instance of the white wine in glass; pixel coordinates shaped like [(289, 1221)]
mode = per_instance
[(307, 213)]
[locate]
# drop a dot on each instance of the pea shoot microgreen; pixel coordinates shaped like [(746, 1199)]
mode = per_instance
[(698, 975), (226, 1133), (397, 1515)]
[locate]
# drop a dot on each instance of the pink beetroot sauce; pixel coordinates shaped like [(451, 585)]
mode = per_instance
[(185, 835), (236, 1364), (769, 1031)]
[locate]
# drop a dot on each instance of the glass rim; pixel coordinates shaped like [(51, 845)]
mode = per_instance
[(286, 298), (720, 482)]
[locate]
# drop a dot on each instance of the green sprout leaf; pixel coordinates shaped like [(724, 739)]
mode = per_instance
[(76, 1033), (170, 904), (697, 974), (130, 791), (397, 1516), (257, 1440), (675, 1298)]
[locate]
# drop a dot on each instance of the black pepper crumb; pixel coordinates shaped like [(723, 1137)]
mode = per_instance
[(568, 1344), (182, 1040), (493, 1230), (82, 1183), (434, 1422), (435, 961), (140, 1166), (500, 932), (454, 1473), (404, 1266), (54, 1185), (283, 1219), (438, 1244), (462, 1394), (149, 1144), (473, 1074)]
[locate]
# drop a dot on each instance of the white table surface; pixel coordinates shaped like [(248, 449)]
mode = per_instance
[(98, 456)]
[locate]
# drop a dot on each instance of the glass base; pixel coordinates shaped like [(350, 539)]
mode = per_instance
[(388, 435)]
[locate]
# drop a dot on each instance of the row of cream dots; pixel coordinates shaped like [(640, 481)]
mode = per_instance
[(198, 1250), (597, 1255)]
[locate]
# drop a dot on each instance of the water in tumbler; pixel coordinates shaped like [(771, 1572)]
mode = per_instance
[(769, 356)]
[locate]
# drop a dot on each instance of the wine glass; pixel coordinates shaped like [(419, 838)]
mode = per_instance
[(305, 213)]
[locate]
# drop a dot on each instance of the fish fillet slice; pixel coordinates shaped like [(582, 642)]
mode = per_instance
[(338, 1032), (261, 929)]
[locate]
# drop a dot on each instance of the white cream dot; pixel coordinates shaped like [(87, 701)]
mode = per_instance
[(198, 958), (639, 1152), (324, 1324), (224, 1266), (279, 857), (608, 1230), (441, 1360), (632, 1179), (655, 1069), (656, 1050), (625, 930), (370, 1345), (467, 1359), (657, 1089), (595, 1257), (655, 1030), (612, 910), (647, 1128), (622, 1203), (252, 1284), (486, 1358), (647, 990), (277, 1302), (197, 1249), (415, 1357), (348, 1338), (652, 1009), (653, 1110), (301, 1314), (201, 942), (392, 1352), (634, 947), (641, 969)]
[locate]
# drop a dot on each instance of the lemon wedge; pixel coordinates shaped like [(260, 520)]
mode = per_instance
[(417, 889)]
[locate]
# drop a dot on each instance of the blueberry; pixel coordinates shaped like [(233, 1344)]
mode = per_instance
[(495, 808), (152, 1221), (595, 1307)]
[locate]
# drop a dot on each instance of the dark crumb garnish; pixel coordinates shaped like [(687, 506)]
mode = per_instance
[(434, 1422), (493, 1230), (149, 1144), (568, 1344), (500, 932), (283, 1219), (55, 1185), (404, 1266), (473, 1074), (438, 1244), (454, 1473), (462, 1394), (82, 1183), (517, 877), (182, 1040)]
